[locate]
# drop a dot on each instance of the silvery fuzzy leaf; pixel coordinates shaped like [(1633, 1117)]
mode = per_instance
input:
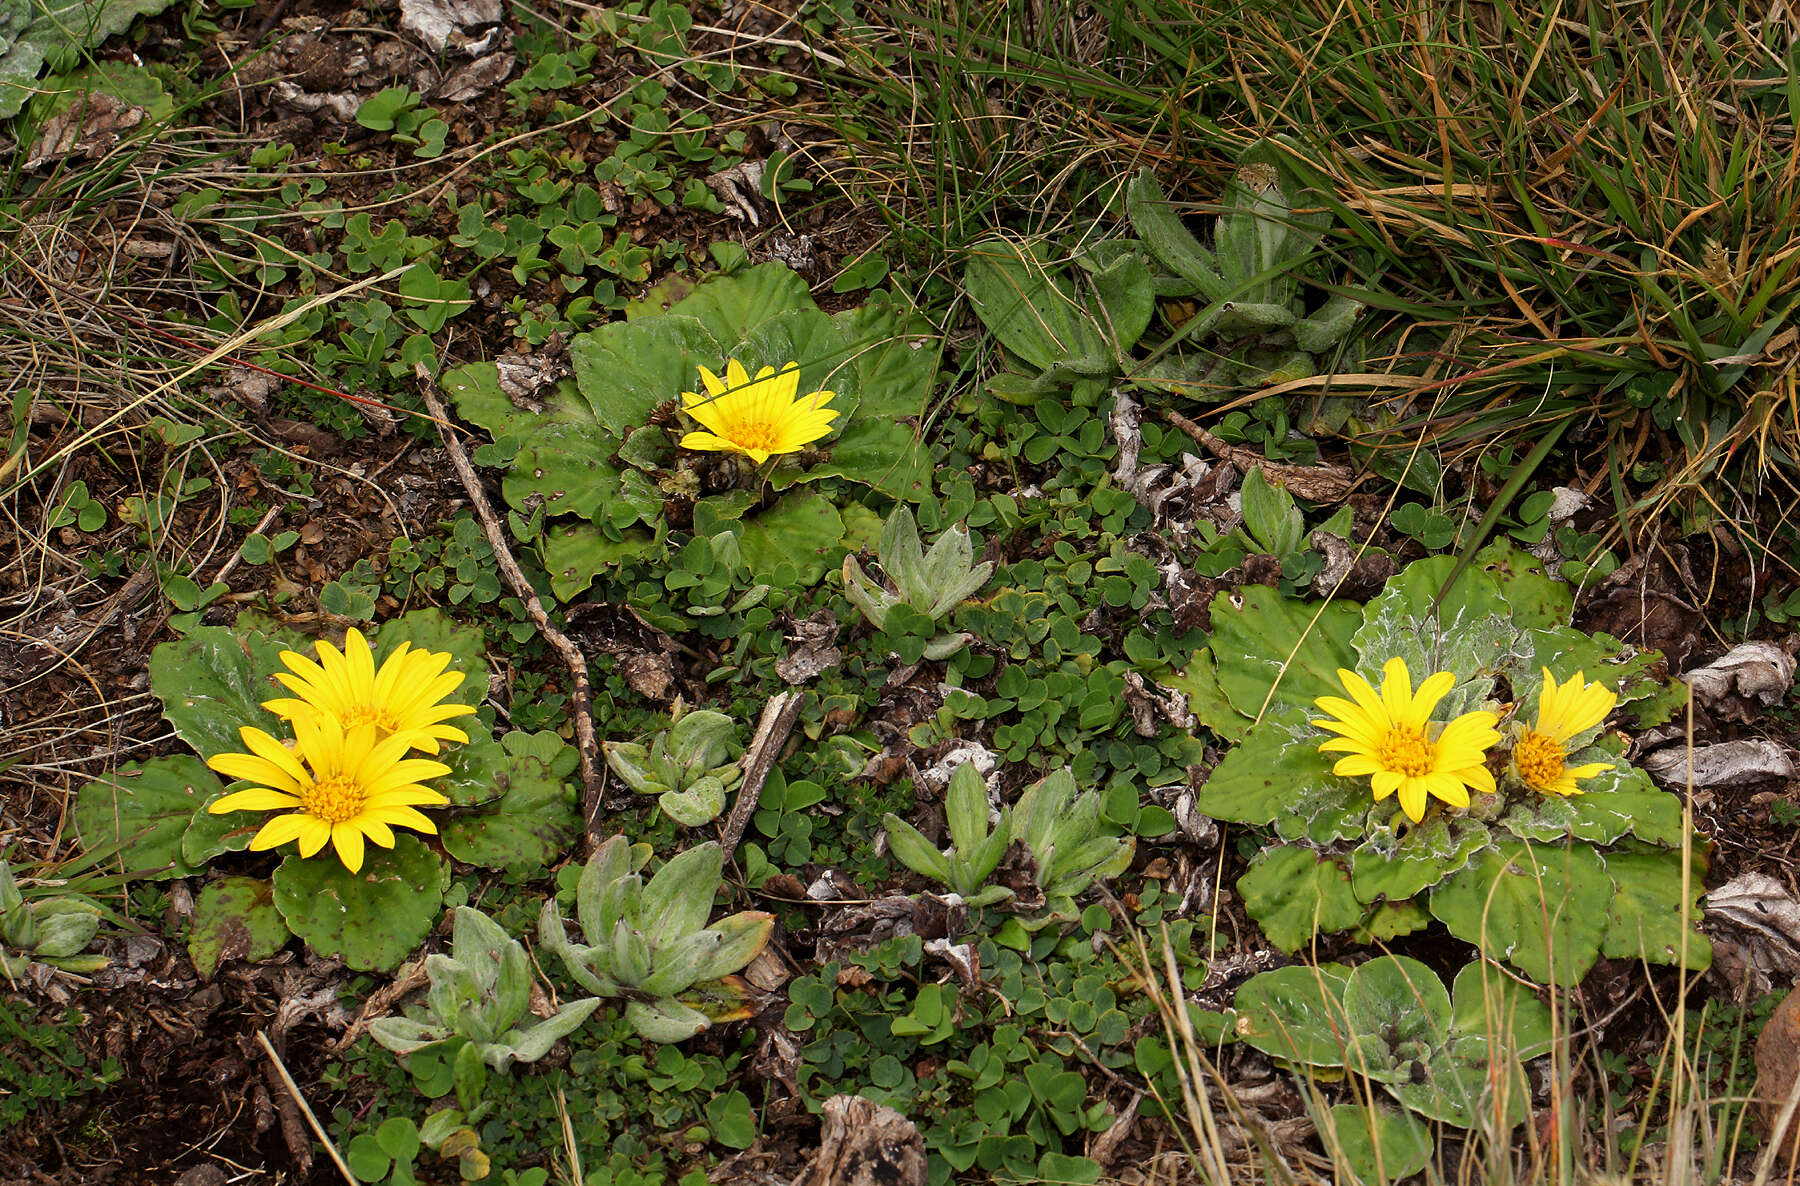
[(532, 1042), (403, 1035), (665, 1021), (680, 897), (902, 559), (702, 740), (741, 937), (632, 961), (64, 933), (872, 601)]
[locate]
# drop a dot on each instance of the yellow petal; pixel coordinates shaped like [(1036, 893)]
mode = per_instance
[(255, 799), (347, 838), (278, 831)]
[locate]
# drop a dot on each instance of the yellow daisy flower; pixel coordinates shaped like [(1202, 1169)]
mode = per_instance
[(345, 785), (758, 418), (401, 699), (1391, 738), (1541, 755)]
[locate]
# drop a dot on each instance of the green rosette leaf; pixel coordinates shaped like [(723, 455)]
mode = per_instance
[(1647, 919), (534, 821), (1393, 865), (214, 680), (372, 919), (144, 809), (803, 529), (1294, 893), (235, 919), (1296, 1014), (626, 369), (1376, 1143), (1255, 630), (1542, 909)]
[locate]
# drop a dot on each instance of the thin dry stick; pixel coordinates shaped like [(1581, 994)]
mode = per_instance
[(305, 1108), (778, 718), (592, 779)]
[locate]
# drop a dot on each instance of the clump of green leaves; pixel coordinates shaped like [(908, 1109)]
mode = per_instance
[(52, 931), (1059, 829), (1454, 1057), (33, 31), (1250, 278), (515, 807), (1603, 867), (481, 991), (690, 765), (920, 584), (650, 943)]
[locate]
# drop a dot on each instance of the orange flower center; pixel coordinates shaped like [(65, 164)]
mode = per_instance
[(755, 434), (1405, 751), (334, 799), (1540, 760), (378, 715)]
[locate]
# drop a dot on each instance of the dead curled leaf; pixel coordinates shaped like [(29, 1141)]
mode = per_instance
[(1729, 763), (1754, 924), (1758, 671)]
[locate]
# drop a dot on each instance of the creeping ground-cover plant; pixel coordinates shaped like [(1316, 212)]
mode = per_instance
[(1521, 826)]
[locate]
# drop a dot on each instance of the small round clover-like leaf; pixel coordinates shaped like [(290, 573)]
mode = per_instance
[(1294, 893), (372, 919), (235, 919), (144, 810), (1296, 1014), (535, 820), (1542, 909), (1377, 1143)]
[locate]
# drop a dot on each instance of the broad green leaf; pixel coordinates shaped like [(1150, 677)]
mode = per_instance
[(1487, 1002), (627, 368), (1278, 775), (1395, 865), (1032, 313), (1458, 1085), (1542, 909), (1645, 920), (679, 898), (1294, 893), (576, 553), (213, 681), (730, 307), (803, 529), (1277, 651), (144, 809), (1614, 803), (896, 358), (40, 29), (879, 453), (1471, 634), (1598, 657), (564, 466), (1296, 1014), (235, 919), (372, 919), (1377, 1143), (534, 822), (1399, 1011)]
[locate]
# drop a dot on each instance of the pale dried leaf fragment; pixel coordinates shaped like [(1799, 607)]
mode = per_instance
[(863, 1143), (1729, 763), (475, 78), (465, 26), (1754, 924), (88, 128), (1758, 671)]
